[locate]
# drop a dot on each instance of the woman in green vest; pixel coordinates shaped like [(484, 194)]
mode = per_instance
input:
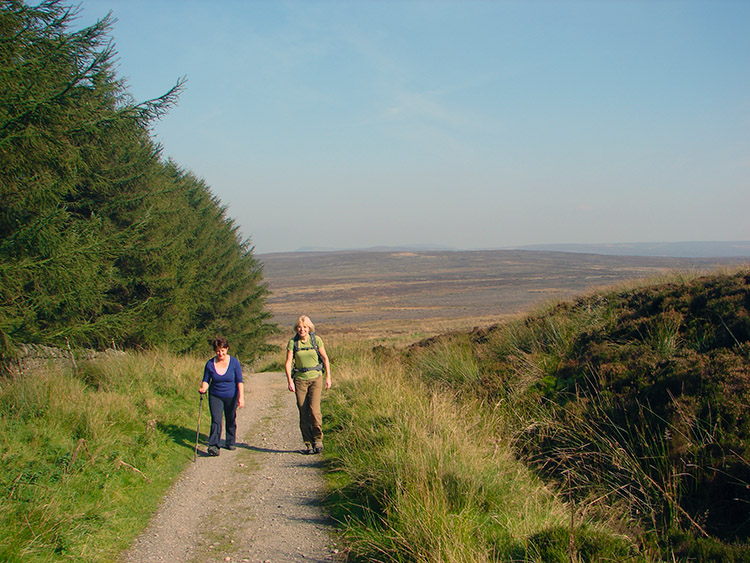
[(306, 361)]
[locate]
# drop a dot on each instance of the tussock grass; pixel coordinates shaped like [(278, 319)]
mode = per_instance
[(629, 400), (450, 361), (86, 456), (418, 475)]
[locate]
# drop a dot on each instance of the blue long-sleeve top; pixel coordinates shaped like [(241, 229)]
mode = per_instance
[(223, 385)]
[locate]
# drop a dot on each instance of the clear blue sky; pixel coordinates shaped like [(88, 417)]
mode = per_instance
[(468, 124)]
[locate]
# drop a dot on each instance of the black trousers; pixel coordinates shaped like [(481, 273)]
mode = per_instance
[(226, 406)]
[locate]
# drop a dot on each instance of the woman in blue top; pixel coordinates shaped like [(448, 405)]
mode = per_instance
[(222, 378)]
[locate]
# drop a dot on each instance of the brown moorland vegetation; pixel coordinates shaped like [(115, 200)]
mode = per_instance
[(392, 293)]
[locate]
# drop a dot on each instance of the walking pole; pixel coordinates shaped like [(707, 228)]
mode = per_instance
[(198, 432)]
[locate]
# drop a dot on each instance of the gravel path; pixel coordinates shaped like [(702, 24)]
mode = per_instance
[(259, 503)]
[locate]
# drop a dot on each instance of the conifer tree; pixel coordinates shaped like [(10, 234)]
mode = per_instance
[(93, 240)]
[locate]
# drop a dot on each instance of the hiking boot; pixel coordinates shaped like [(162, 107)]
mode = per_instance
[(232, 447), (318, 449), (308, 449), (213, 450)]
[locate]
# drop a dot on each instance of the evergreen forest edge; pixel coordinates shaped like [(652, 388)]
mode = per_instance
[(103, 243)]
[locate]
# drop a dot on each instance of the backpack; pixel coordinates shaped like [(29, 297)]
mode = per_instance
[(314, 343)]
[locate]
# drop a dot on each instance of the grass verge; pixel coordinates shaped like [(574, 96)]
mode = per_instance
[(87, 456), (418, 475), (630, 402)]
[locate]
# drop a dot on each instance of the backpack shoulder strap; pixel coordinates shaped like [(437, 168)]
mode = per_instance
[(314, 342)]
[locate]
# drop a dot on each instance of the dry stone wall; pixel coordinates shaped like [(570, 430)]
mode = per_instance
[(31, 357)]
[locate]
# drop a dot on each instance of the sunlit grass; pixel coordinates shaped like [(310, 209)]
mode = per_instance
[(86, 456), (422, 443), (417, 475)]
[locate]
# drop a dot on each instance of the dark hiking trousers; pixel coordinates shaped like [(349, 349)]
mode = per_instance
[(219, 406)]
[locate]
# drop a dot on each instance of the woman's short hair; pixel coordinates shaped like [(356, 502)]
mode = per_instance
[(304, 320), (219, 342)]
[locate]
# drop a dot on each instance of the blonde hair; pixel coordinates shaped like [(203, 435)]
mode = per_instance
[(304, 320)]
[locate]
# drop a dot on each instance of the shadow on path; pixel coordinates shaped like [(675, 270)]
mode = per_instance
[(179, 434), (265, 450)]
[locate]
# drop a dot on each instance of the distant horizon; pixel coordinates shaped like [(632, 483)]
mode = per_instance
[(678, 249)]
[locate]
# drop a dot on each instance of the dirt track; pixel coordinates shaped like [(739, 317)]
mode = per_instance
[(258, 503)]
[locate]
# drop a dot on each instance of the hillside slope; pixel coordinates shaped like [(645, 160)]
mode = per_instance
[(637, 398)]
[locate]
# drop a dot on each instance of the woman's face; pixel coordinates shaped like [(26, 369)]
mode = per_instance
[(303, 331), (221, 353)]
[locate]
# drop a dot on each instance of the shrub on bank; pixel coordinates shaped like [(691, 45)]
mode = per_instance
[(639, 397), (631, 404)]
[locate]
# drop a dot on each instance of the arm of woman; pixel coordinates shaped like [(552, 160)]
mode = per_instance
[(288, 369), (241, 395), (206, 377), (326, 365)]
